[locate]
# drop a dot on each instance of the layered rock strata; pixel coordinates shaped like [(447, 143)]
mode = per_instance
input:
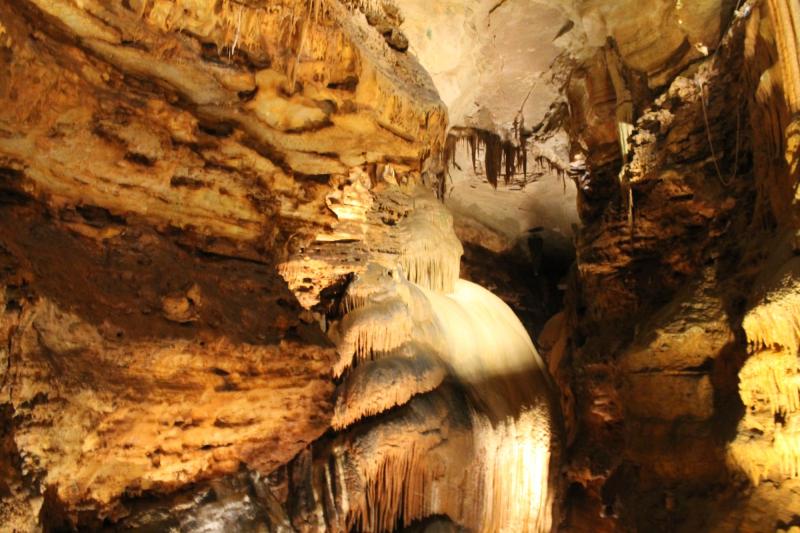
[(161, 163)]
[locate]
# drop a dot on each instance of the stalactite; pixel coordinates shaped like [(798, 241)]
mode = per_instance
[(431, 253), (414, 464), (378, 386), (396, 488), (787, 446), (241, 25), (370, 332), (773, 376), (500, 157), (781, 459), (768, 444), (429, 265), (773, 335), (515, 461), (777, 323), (503, 484)]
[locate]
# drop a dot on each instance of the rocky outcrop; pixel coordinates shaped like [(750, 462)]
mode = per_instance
[(218, 118), (143, 375)]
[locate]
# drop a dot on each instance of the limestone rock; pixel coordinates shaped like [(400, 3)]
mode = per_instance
[(111, 399), (159, 161)]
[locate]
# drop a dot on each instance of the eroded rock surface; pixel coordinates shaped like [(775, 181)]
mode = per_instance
[(682, 358), (162, 163)]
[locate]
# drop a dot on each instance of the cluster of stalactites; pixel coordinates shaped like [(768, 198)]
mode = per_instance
[(371, 332), (514, 458), (485, 476), (772, 377), (775, 323), (237, 24), (430, 255), (398, 487), (387, 382), (500, 156), (384, 317), (390, 356), (505, 157)]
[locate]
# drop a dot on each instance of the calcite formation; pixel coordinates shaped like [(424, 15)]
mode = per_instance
[(767, 446), (442, 452)]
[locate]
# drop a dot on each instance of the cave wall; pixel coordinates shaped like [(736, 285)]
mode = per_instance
[(177, 181), (678, 316)]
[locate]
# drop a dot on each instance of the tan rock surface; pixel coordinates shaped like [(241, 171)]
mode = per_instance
[(113, 395), (158, 160)]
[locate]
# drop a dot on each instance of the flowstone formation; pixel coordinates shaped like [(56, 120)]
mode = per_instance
[(475, 436)]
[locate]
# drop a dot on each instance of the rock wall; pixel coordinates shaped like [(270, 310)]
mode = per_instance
[(169, 171), (675, 352)]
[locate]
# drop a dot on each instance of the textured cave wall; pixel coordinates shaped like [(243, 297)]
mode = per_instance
[(678, 318), (177, 180)]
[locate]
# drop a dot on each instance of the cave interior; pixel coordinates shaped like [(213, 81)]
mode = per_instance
[(399, 265)]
